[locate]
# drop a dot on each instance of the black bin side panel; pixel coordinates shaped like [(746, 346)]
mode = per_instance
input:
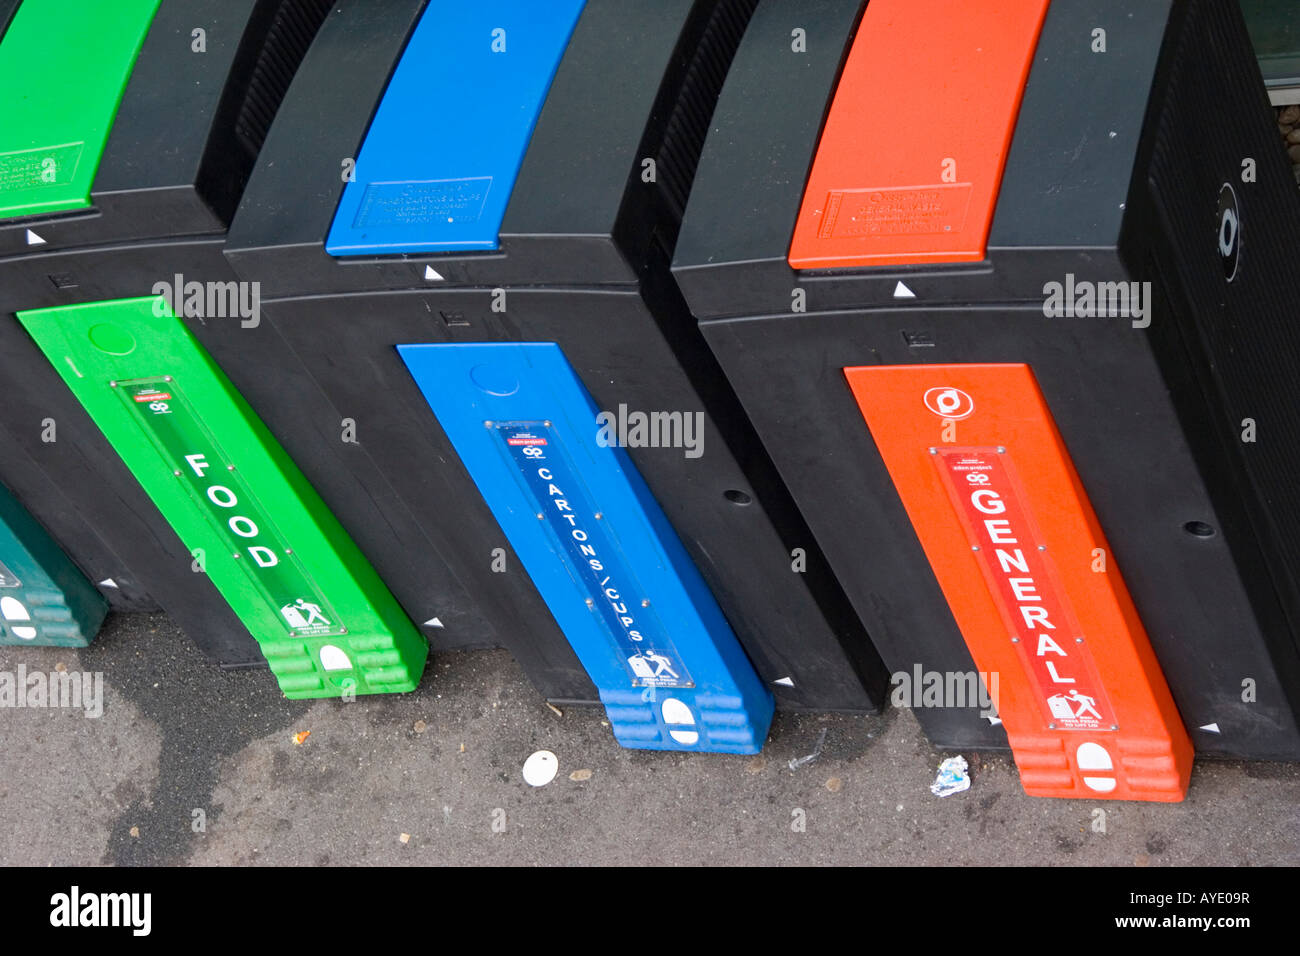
[(612, 342), (190, 123), (1081, 118), (295, 188), (790, 381), (92, 497), (76, 485), (1113, 408), (318, 436), (7, 10), (401, 488), (83, 543), (1233, 344), (763, 136)]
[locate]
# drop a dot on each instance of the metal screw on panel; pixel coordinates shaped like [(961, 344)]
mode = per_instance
[(645, 602), (1001, 450), (487, 424), (590, 602)]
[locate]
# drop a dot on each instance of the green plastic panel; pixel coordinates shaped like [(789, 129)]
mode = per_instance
[(326, 623), (63, 67)]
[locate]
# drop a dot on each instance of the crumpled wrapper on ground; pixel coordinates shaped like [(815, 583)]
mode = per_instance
[(952, 777)]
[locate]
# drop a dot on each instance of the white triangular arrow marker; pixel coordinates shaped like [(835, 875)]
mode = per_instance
[(784, 682), (993, 720), (433, 622), (903, 292), (431, 274), (33, 239), (108, 583), (1212, 728)]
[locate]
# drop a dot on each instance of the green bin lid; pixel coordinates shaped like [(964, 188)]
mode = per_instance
[(63, 67)]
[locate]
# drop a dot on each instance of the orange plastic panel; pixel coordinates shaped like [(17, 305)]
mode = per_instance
[(911, 157), (1030, 579)]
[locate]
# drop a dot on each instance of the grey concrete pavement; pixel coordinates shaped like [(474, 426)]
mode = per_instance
[(190, 765)]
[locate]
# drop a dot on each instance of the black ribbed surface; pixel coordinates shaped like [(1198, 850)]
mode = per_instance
[(1243, 336), (689, 123), (293, 26)]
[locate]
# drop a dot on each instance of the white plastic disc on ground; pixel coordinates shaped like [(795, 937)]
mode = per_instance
[(540, 768)]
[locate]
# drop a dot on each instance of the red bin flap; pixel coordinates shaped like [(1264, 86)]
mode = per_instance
[(910, 159)]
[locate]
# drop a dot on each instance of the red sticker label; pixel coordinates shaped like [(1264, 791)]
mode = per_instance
[(1024, 584)]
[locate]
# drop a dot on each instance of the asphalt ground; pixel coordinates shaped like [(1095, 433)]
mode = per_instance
[(191, 765)]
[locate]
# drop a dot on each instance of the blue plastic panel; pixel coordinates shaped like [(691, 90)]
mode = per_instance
[(621, 586), (444, 148), (44, 599)]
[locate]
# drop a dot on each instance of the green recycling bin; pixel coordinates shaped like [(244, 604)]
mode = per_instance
[(325, 622)]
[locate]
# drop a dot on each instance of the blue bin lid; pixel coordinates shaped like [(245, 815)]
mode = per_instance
[(439, 161)]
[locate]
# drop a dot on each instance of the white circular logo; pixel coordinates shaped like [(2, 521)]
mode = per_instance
[(950, 403), (1229, 228)]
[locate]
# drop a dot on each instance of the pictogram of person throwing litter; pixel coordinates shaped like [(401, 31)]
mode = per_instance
[(303, 613), (1085, 704), (663, 666)]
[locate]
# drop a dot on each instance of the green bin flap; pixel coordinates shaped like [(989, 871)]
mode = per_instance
[(63, 67), (326, 623)]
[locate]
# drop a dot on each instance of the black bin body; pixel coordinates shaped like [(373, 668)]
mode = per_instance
[(183, 140), (582, 261), (1117, 171)]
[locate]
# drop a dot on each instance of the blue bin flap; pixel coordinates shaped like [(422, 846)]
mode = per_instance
[(595, 542), (438, 164)]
